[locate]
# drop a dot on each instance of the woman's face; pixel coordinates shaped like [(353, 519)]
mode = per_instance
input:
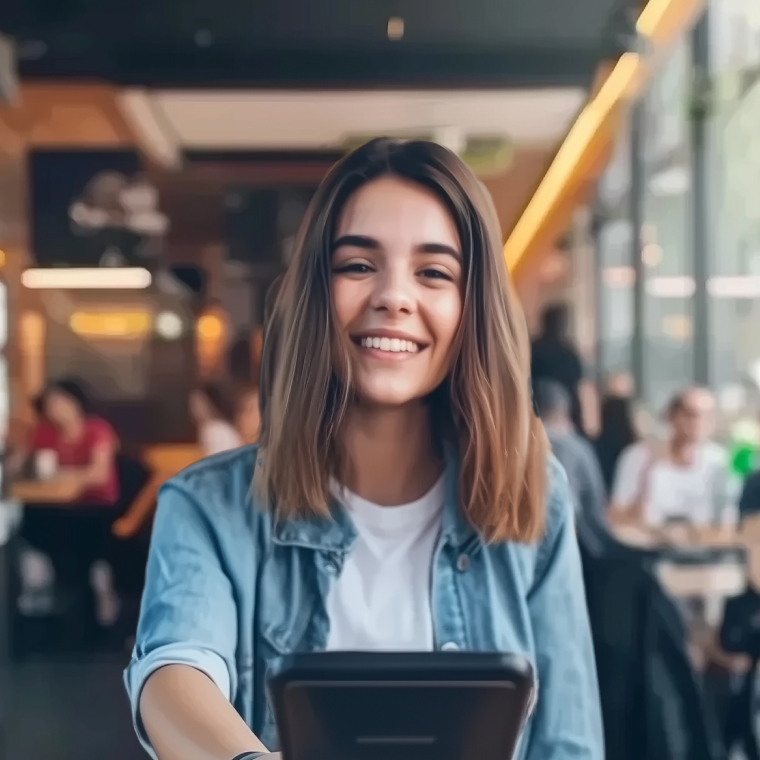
[(397, 287), (61, 409)]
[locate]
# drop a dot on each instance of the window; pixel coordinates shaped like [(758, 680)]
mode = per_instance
[(665, 236)]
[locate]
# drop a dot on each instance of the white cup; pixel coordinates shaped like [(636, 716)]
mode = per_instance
[(46, 464)]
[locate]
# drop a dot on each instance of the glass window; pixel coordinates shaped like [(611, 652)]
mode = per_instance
[(615, 306), (665, 236), (734, 266)]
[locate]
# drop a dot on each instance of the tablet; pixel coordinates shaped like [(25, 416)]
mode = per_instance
[(402, 706)]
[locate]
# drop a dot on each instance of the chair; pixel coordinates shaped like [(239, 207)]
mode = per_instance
[(652, 703)]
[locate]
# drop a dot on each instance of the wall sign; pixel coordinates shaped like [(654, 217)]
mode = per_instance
[(93, 208)]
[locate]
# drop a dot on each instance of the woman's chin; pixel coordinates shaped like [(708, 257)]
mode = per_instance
[(388, 398)]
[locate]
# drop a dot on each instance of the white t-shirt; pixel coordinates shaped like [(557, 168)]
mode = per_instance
[(693, 492), (216, 436), (381, 599)]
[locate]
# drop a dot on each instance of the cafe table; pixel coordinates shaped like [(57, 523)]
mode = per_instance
[(705, 563), (61, 489)]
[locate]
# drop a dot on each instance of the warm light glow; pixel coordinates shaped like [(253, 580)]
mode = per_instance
[(168, 325), (32, 348), (2, 258), (210, 327), (211, 340), (111, 324), (619, 86), (659, 21), (115, 278), (653, 16)]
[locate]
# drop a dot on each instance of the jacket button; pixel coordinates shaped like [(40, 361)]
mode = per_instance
[(450, 646), (463, 563)]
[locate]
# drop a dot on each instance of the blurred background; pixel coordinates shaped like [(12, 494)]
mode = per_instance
[(156, 160)]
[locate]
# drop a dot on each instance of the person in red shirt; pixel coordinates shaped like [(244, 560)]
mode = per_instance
[(75, 534)]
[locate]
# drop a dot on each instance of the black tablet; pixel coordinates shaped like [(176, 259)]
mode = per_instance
[(402, 706)]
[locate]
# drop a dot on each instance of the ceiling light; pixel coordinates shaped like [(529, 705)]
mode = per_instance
[(395, 28), (116, 278)]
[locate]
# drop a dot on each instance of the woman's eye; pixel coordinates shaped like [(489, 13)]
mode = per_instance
[(355, 268), (436, 274)]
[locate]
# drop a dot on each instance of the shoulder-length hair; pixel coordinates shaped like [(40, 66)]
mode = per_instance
[(484, 405)]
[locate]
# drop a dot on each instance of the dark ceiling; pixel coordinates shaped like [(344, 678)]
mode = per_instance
[(290, 43)]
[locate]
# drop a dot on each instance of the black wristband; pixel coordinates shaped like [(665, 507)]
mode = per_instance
[(250, 755)]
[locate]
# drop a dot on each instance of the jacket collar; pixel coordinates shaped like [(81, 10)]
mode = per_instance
[(338, 534)]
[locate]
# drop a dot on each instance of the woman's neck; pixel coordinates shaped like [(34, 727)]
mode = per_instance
[(392, 454)]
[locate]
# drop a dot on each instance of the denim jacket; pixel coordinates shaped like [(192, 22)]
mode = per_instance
[(229, 591)]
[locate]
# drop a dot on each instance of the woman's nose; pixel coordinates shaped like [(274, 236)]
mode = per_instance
[(394, 293)]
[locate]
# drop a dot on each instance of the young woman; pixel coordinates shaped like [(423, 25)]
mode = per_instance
[(616, 435), (401, 493), (214, 413)]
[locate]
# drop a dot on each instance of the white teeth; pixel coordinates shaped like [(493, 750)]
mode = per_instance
[(392, 345)]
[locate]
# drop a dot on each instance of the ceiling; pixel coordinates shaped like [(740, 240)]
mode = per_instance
[(172, 122), (298, 43)]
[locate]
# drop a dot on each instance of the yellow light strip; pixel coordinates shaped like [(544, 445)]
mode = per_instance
[(111, 324), (658, 21)]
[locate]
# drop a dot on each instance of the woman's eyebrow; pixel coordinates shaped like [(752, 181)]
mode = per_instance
[(372, 244), (440, 248), (356, 241)]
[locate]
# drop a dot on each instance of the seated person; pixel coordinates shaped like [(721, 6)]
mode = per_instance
[(577, 456), (681, 478), (616, 434), (85, 446), (213, 411), (247, 417)]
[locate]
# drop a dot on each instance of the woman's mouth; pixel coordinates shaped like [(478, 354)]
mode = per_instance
[(391, 345)]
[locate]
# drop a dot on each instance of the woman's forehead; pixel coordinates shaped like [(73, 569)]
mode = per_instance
[(391, 207)]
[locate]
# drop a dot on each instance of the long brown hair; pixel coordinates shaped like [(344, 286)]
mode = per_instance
[(484, 405)]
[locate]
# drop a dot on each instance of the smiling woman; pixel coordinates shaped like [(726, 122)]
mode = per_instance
[(402, 237), (402, 499)]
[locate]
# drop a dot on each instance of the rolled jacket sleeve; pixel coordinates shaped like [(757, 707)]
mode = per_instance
[(188, 614), (567, 722)]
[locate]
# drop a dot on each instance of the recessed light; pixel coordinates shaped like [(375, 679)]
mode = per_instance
[(395, 28)]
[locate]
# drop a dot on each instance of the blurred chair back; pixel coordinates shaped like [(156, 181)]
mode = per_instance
[(652, 704)]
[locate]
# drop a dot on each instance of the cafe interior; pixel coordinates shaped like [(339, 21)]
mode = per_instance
[(156, 162)]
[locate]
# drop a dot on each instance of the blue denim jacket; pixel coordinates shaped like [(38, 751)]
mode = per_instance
[(230, 592)]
